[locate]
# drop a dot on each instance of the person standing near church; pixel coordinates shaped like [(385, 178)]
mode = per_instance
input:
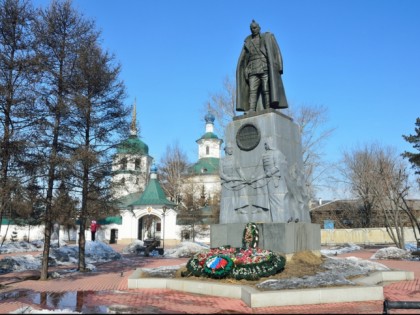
[(93, 229), (258, 73)]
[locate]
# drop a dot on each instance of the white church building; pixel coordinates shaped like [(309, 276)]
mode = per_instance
[(145, 211)]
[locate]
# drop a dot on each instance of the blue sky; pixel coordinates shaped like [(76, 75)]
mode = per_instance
[(358, 58)]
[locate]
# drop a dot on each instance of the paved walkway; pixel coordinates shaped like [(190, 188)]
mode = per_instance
[(106, 287)]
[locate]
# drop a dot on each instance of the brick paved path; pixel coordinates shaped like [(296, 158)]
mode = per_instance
[(106, 287)]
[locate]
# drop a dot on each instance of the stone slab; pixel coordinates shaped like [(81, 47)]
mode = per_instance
[(286, 238)]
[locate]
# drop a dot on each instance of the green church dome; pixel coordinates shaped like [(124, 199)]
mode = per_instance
[(209, 135), (133, 145)]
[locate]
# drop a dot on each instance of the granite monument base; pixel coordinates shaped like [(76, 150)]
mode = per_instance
[(285, 238), (263, 178)]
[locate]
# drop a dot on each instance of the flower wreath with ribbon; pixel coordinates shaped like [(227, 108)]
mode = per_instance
[(218, 266), (250, 236)]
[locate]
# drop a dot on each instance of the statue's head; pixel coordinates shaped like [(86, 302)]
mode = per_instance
[(228, 149), (268, 144), (255, 27)]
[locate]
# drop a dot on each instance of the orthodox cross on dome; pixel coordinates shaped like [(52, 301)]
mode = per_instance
[(133, 127)]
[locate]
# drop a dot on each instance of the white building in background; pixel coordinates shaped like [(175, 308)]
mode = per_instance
[(203, 181), (146, 213), (205, 172), (131, 163)]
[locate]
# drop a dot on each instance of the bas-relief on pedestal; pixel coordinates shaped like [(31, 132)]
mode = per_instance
[(262, 182)]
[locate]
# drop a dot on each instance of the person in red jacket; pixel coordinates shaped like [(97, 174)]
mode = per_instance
[(93, 228)]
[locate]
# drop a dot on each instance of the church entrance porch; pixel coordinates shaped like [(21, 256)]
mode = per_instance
[(149, 227)]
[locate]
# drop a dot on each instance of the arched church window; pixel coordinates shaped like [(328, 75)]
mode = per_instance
[(124, 163), (137, 164), (207, 150)]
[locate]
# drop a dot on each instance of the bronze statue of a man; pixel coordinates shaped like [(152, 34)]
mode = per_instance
[(258, 73)]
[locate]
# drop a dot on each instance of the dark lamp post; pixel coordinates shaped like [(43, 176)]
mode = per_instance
[(149, 230), (164, 208)]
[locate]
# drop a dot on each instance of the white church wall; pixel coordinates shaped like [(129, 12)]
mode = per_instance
[(210, 182), (213, 149), (31, 233), (172, 231), (129, 227)]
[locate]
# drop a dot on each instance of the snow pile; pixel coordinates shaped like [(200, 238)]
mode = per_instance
[(366, 265), (352, 266), (100, 252), (345, 248), (338, 272), (134, 247), (19, 263), (162, 272), (391, 253), (65, 255), (14, 247), (30, 310), (186, 250)]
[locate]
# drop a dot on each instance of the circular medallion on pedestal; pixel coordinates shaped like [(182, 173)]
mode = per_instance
[(248, 137)]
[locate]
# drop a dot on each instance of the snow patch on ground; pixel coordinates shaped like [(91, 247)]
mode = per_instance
[(186, 250), (341, 249), (95, 252), (391, 253)]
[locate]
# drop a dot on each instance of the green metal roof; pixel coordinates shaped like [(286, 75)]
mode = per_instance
[(125, 201), (206, 166), (110, 220), (209, 135), (153, 195), (6, 221), (133, 145)]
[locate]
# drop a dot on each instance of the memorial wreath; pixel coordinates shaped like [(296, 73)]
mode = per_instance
[(248, 262)]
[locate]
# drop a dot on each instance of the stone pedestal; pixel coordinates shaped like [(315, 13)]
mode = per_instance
[(263, 182), (287, 238), (259, 195)]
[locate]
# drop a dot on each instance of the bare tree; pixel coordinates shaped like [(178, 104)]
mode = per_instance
[(172, 170), (392, 193), (359, 174), (223, 105), (312, 121), (191, 211), (379, 178)]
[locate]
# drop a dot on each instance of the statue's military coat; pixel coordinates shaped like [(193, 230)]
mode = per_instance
[(271, 50)]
